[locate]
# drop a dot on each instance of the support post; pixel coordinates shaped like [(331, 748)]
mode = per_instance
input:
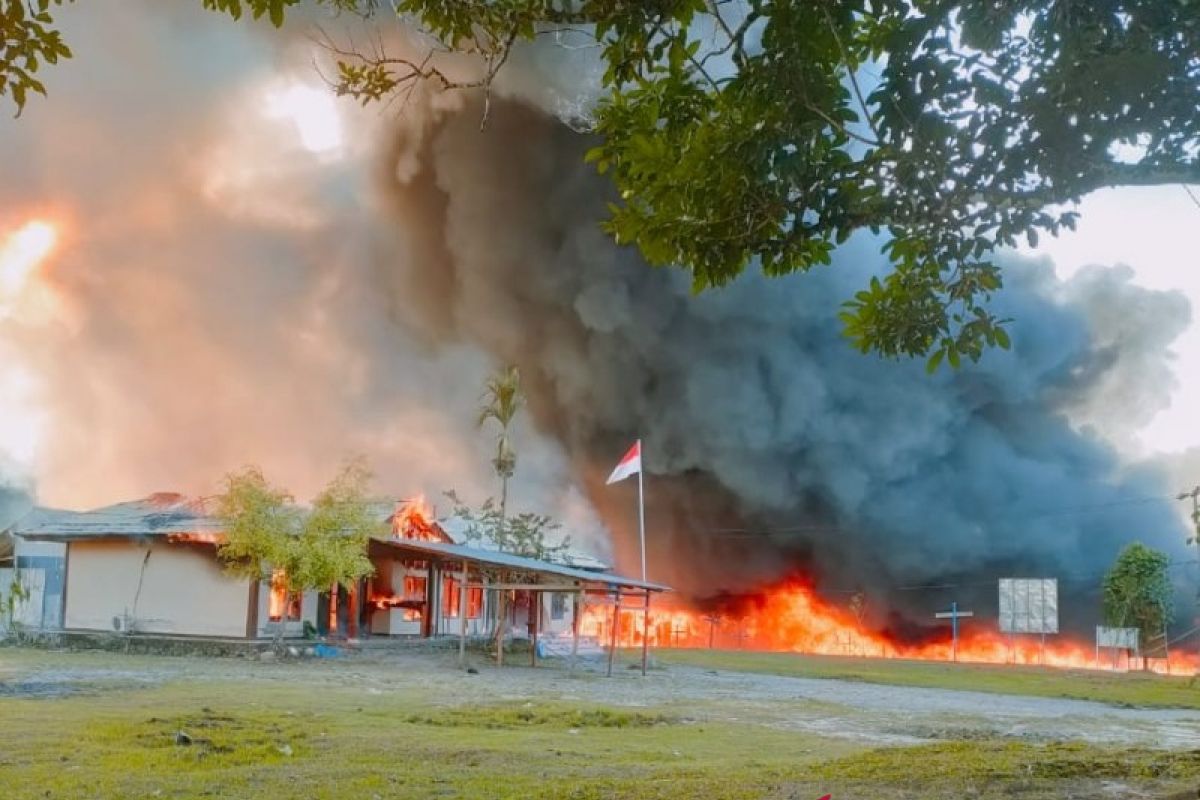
[(953, 614), (954, 630), (575, 607), (612, 644), (352, 616), (535, 608), (501, 624), (645, 632), (431, 576), (462, 616)]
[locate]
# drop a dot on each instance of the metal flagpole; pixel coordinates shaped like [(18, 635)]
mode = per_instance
[(641, 508), (642, 540)]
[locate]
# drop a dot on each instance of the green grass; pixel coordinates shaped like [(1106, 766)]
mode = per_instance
[(1124, 689), (315, 730)]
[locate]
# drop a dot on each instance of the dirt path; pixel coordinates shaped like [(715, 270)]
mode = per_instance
[(861, 711)]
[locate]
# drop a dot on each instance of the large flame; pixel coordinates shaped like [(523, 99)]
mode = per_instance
[(793, 618), (414, 519), (21, 252)]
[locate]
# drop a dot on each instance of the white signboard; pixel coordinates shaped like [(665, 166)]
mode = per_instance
[(1029, 605), (1121, 638)]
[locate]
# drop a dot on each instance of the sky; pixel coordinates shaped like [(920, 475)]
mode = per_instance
[(1156, 232)]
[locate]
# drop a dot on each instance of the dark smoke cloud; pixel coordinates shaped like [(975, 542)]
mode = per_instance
[(771, 443)]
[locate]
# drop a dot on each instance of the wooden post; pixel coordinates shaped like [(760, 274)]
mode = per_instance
[(575, 607), (430, 606), (462, 616), (332, 622), (352, 614), (501, 623), (612, 645), (645, 632), (535, 608)]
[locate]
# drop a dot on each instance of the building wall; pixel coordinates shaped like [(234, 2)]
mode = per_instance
[(183, 589)]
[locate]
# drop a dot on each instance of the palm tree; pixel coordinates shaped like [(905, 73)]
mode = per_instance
[(502, 399)]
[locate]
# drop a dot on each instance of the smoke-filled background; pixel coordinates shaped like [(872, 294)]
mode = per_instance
[(249, 273)]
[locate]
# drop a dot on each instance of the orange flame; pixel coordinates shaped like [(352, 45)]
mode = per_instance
[(277, 600), (793, 618), (20, 254), (196, 538), (414, 520)]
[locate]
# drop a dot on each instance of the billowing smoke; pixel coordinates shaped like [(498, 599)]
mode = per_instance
[(228, 296), (770, 442)]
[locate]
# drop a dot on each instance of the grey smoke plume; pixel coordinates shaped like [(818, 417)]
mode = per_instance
[(227, 298), (771, 444)]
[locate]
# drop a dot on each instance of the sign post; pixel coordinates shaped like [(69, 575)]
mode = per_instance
[(953, 615), (1029, 605)]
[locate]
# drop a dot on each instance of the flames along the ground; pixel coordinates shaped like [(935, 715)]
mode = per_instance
[(792, 617)]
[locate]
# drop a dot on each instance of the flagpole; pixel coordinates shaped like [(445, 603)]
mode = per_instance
[(642, 539), (641, 508)]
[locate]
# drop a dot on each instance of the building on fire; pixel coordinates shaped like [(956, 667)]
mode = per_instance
[(150, 566)]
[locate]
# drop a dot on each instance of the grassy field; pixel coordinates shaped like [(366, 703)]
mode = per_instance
[(1124, 689), (302, 730)]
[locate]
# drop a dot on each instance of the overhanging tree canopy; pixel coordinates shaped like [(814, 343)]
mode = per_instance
[(747, 132)]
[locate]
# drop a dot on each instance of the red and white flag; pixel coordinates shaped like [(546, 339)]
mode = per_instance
[(630, 464)]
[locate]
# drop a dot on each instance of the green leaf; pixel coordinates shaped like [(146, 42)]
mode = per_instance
[(935, 361)]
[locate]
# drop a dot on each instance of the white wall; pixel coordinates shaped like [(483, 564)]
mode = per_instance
[(183, 589)]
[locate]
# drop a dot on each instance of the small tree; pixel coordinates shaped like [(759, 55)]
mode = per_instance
[(16, 596), (523, 535), (1137, 591), (267, 536)]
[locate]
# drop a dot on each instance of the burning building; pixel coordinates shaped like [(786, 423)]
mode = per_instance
[(150, 566)]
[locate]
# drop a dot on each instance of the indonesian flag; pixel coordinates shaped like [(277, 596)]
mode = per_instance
[(630, 464)]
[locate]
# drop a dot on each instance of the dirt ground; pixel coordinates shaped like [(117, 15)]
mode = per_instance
[(863, 712)]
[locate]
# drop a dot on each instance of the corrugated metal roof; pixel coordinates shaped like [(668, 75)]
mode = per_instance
[(499, 559), (172, 514), (161, 514)]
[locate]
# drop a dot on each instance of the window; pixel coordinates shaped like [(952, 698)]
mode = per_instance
[(558, 605), (450, 599), (474, 602), (414, 592), (281, 604)]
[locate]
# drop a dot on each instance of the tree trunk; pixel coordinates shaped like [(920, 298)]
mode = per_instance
[(501, 595)]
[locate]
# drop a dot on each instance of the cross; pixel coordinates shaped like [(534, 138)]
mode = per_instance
[(953, 615)]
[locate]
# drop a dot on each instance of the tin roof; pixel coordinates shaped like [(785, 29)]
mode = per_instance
[(499, 559), (160, 514)]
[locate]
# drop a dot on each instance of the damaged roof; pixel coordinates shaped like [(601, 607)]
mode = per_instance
[(160, 514), (166, 514), (174, 514)]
